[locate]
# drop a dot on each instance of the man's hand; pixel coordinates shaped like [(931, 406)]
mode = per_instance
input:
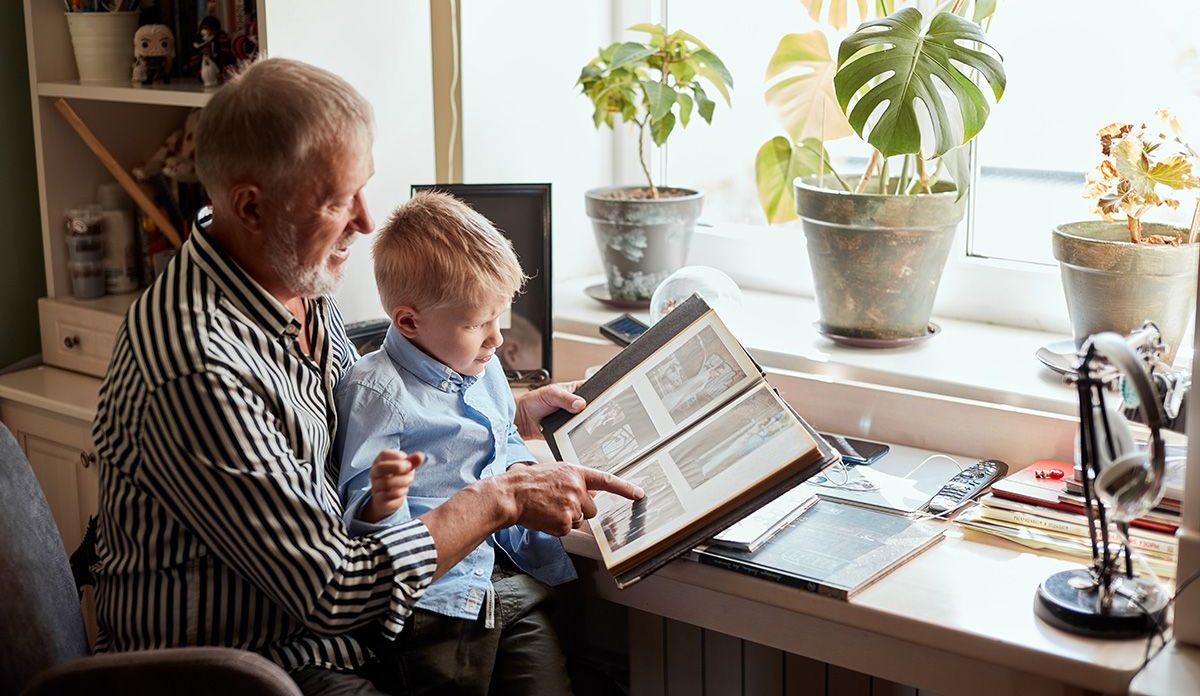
[(533, 406), (554, 498), (391, 476)]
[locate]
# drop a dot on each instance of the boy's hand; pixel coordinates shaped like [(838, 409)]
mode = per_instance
[(391, 476)]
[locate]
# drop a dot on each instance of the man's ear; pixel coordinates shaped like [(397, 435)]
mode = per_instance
[(246, 204), (406, 319)]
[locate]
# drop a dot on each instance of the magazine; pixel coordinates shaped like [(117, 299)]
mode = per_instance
[(687, 415), (835, 549)]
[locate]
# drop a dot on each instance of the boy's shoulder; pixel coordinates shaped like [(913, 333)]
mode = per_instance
[(375, 372)]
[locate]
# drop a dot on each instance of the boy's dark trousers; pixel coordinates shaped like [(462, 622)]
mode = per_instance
[(437, 654)]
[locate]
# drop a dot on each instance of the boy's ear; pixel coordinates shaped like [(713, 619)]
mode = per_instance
[(405, 319)]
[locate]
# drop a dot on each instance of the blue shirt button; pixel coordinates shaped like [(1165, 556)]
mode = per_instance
[(479, 572)]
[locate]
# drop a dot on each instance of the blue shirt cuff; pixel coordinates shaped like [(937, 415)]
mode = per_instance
[(359, 527)]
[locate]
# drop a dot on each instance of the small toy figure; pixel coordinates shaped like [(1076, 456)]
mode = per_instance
[(176, 157), (153, 51), (214, 55), (245, 46)]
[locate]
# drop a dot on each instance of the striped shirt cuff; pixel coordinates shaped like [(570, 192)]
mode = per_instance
[(414, 559)]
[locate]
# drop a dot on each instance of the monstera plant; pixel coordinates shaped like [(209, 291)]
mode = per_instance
[(917, 90)]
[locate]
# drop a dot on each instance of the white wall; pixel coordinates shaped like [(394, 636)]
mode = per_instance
[(382, 47), (524, 120)]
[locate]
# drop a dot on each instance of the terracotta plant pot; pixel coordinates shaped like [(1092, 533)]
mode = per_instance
[(1112, 284), (642, 241), (877, 259)]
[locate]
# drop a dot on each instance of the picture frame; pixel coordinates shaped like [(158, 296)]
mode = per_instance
[(521, 211)]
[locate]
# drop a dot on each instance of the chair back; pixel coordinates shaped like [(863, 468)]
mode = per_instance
[(39, 606)]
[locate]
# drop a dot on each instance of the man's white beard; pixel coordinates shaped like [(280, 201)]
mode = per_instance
[(311, 281)]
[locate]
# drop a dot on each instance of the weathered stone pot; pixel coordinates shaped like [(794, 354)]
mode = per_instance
[(1112, 284), (642, 241), (877, 259)]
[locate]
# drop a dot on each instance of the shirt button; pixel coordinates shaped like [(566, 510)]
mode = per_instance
[(445, 384), (479, 572)]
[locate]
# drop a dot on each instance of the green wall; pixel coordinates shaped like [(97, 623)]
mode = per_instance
[(22, 277)]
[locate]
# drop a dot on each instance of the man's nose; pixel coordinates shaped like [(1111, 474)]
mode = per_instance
[(362, 217)]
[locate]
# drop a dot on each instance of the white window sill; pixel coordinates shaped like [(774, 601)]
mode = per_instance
[(968, 360)]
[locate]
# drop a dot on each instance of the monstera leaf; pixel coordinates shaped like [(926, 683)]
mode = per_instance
[(837, 15), (804, 100), (895, 60), (777, 165)]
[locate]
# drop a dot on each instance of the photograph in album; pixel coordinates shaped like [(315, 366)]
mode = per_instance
[(685, 413)]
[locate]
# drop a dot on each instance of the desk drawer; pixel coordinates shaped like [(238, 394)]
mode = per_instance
[(76, 337)]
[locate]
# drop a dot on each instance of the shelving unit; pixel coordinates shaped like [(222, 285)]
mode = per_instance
[(372, 43), (131, 121)]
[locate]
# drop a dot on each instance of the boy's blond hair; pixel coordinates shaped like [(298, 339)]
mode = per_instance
[(435, 251)]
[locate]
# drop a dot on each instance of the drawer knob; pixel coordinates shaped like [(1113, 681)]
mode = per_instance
[(87, 459), (70, 342)]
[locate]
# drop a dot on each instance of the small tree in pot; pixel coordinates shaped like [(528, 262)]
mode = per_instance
[(1117, 274), (911, 89), (644, 232)]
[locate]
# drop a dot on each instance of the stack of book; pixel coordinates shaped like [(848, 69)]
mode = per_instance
[(1036, 507)]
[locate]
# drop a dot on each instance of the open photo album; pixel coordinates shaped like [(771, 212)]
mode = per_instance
[(685, 413)]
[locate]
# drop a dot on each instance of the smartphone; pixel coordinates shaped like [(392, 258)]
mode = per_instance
[(856, 451), (624, 329)]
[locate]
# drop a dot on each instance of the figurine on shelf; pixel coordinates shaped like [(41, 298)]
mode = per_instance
[(245, 45), (153, 52), (214, 55)]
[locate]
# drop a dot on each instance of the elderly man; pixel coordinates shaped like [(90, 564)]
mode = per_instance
[(219, 516)]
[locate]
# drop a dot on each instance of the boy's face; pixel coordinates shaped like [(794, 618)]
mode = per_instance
[(461, 337)]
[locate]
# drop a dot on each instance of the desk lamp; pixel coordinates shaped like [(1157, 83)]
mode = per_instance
[(1120, 482)]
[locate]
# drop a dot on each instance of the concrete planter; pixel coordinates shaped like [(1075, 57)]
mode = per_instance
[(877, 259), (642, 241), (1112, 284)]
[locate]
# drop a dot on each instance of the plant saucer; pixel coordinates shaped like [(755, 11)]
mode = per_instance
[(600, 294), (862, 342), (1059, 356)]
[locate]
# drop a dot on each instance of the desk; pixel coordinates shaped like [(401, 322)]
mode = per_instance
[(957, 619)]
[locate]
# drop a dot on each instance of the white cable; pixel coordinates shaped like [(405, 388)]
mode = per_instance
[(454, 22)]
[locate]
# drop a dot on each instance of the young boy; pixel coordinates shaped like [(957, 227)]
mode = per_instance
[(436, 391)]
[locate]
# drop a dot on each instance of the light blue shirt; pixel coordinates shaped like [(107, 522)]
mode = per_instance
[(398, 397)]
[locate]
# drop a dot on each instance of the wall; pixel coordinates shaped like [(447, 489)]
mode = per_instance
[(22, 278), (400, 91), (524, 120)]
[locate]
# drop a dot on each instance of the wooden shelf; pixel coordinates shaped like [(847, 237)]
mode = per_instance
[(182, 92)]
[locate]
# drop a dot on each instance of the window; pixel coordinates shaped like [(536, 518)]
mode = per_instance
[(1072, 66)]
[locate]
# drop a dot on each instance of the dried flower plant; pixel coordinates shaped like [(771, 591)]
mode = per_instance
[(1142, 165)]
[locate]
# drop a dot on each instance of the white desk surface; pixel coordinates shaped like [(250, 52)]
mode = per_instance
[(959, 599), (1175, 670)]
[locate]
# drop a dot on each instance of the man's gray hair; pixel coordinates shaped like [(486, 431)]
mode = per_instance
[(268, 123)]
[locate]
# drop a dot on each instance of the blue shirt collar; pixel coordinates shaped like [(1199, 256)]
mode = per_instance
[(407, 356)]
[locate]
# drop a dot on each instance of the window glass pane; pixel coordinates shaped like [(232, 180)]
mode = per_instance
[(1073, 67), (719, 159)]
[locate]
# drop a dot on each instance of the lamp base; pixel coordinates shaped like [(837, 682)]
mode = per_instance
[(1070, 600)]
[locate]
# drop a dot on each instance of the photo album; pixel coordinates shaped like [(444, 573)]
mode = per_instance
[(685, 413)]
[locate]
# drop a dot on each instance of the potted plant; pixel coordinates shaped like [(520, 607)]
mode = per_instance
[(878, 242), (644, 232), (1118, 274)]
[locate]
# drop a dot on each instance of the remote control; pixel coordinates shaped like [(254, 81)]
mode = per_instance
[(967, 484)]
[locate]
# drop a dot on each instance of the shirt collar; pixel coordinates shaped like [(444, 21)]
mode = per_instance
[(406, 355), (242, 291)]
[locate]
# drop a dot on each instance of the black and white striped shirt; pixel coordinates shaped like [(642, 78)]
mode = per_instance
[(220, 522)]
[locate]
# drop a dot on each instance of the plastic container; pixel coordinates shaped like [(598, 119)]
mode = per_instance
[(103, 43), (87, 279), (120, 252), (85, 247)]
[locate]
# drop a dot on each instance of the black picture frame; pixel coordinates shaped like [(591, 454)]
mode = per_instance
[(522, 213)]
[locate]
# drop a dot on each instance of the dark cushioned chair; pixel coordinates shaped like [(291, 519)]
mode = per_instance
[(43, 648)]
